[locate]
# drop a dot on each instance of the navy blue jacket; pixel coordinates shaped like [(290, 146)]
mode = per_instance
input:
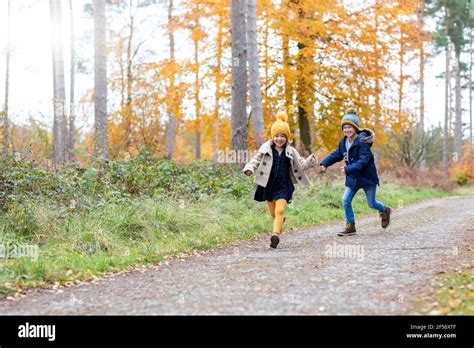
[(360, 165)]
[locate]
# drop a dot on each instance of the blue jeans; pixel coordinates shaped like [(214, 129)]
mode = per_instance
[(371, 201)]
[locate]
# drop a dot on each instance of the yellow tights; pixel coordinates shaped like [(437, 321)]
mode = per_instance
[(276, 210)]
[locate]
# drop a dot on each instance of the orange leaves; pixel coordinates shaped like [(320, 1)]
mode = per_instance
[(316, 56), (462, 170), (198, 34)]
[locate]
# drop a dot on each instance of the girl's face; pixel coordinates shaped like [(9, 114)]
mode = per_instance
[(349, 131), (279, 140)]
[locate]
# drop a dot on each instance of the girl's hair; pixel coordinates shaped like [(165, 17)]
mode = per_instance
[(351, 111)]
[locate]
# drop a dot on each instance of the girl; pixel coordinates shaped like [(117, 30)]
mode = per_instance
[(277, 166), (360, 170)]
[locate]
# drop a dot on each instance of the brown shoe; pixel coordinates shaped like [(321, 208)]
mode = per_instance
[(350, 230), (385, 217), (274, 241)]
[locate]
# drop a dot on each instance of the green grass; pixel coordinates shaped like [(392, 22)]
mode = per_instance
[(455, 295), (79, 244)]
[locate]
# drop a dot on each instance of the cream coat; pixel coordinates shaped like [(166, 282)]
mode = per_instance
[(261, 164)]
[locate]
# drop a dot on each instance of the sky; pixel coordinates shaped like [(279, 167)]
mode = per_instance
[(31, 62)]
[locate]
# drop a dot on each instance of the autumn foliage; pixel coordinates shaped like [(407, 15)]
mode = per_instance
[(316, 59)]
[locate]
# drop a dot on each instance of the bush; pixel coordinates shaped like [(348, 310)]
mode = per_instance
[(107, 181), (460, 175), (461, 171), (414, 177)]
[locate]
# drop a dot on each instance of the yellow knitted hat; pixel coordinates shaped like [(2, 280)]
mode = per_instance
[(281, 126)]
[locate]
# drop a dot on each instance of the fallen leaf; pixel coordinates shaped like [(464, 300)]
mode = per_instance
[(454, 303), (444, 310)]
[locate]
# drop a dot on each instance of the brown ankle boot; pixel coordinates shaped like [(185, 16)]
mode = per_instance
[(349, 230), (274, 241), (385, 218)]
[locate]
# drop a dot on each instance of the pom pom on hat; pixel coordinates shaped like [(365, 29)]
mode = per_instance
[(281, 115), (351, 111), (350, 118)]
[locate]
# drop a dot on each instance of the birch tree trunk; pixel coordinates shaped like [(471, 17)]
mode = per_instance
[(422, 81), (446, 95), (458, 111), (239, 128), (197, 86), (128, 101), (60, 133), (254, 74), (72, 110), (100, 81), (171, 117), (470, 85), (6, 133)]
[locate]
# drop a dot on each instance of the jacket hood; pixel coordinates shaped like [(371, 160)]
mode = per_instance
[(368, 136)]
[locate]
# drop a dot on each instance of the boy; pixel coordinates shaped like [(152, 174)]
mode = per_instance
[(360, 171)]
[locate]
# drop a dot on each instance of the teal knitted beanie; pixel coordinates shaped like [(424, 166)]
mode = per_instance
[(351, 118)]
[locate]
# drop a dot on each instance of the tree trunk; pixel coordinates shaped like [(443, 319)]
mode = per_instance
[(451, 93), (287, 80), (218, 93), (254, 74), (6, 134), (128, 101), (470, 85), (239, 128), (100, 81), (378, 91), (59, 92), (422, 80), (171, 117), (446, 95), (197, 100), (304, 86), (458, 111), (266, 63), (302, 98), (401, 81), (72, 111)]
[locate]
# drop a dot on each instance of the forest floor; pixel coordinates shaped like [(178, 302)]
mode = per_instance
[(313, 271)]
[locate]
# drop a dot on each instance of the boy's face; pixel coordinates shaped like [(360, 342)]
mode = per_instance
[(279, 140), (349, 131)]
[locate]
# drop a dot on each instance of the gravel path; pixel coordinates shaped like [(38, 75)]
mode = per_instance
[(312, 272)]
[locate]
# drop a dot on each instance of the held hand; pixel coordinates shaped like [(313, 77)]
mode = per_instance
[(322, 169), (343, 171), (313, 160), (248, 173)]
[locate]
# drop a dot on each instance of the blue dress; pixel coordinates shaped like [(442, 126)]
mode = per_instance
[(279, 184)]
